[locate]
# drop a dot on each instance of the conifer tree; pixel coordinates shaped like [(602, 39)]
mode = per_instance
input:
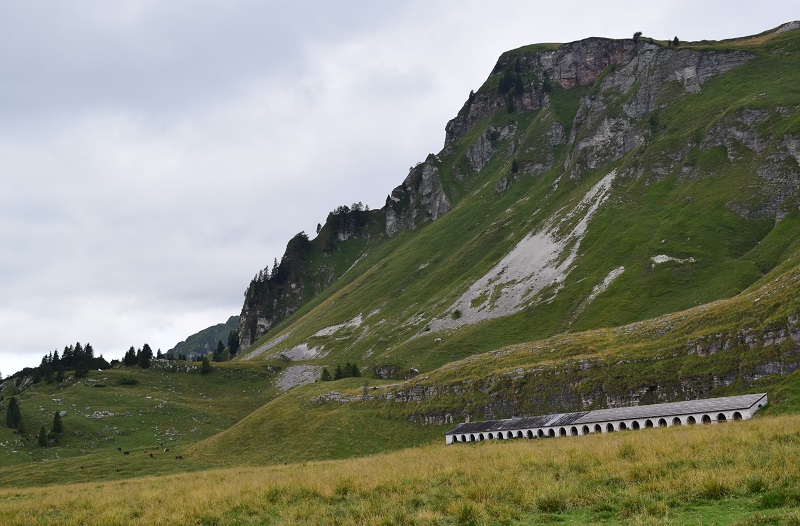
[(206, 368), (58, 426), (13, 414), (338, 374), (41, 438), (326, 375)]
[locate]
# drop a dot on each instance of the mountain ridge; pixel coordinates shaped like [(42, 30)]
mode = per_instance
[(550, 123)]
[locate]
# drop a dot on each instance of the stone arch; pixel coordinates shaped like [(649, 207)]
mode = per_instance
[(662, 422), (623, 426), (562, 432), (540, 433), (635, 425), (676, 421), (491, 436), (472, 438), (598, 428), (609, 428), (480, 437), (721, 417), (519, 434), (737, 415), (573, 431), (586, 430), (551, 432), (530, 433), (455, 439), (691, 420), (648, 423), (706, 419)]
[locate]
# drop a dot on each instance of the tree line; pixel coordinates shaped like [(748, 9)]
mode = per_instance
[(350, 370)]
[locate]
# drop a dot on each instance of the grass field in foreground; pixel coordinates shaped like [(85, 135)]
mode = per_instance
[(735, 473)]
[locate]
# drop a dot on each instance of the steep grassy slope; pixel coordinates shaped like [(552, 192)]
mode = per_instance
[(639, 188), (749, 343)]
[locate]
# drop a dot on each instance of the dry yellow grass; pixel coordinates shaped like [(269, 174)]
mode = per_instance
[(644, 475)]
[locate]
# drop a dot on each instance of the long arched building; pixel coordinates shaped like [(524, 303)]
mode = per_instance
[(708, 411)]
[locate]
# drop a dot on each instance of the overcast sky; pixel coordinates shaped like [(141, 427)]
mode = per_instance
[(154, 155)]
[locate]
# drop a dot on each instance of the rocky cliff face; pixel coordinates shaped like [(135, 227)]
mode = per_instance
[(418, 200)]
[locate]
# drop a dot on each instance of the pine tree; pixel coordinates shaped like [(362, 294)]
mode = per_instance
[(218, 351), (355, 372), (130, 357), (58, 426), (60, 373), (41, 438), (326, 375), (676, 42), (13, 414), (144, 357), (206, 368), (82, 369), (338, 375)]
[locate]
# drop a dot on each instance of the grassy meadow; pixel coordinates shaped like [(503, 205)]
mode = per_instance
[(734, 473)]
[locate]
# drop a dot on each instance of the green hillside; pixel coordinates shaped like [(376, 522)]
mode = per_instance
[(609, 223), (632, 193)]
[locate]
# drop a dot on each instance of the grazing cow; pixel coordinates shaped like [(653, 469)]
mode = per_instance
[(179, 457), (151, 455), (119, 469), (119, 449), (145, 451), (166, 450), (127, 453)]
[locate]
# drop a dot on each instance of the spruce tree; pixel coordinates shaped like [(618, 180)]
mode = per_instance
[(206, 368), (355, 372), (13, 414), (58, 426), (326, 375), (41, 438), (338, 374)]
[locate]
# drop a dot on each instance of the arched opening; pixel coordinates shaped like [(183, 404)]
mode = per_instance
[(472, 438), (691, 421), (519, 434), (480, 437), (706, 419), (463, 438), (721, 417), (573, 431), (623, 426), (586, 430), (491, 436), (662, 422), (562, 432), (609, 428), (598, 428), (676, 421), (737, 415), (635, 425), (455, 439), (540, 433), (648, 423), (530, 433), (551, 432)]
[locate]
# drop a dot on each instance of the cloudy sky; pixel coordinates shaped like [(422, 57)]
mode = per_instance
[(154, 155)]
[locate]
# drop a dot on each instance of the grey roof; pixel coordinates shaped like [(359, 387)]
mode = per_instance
[(711, 405)]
